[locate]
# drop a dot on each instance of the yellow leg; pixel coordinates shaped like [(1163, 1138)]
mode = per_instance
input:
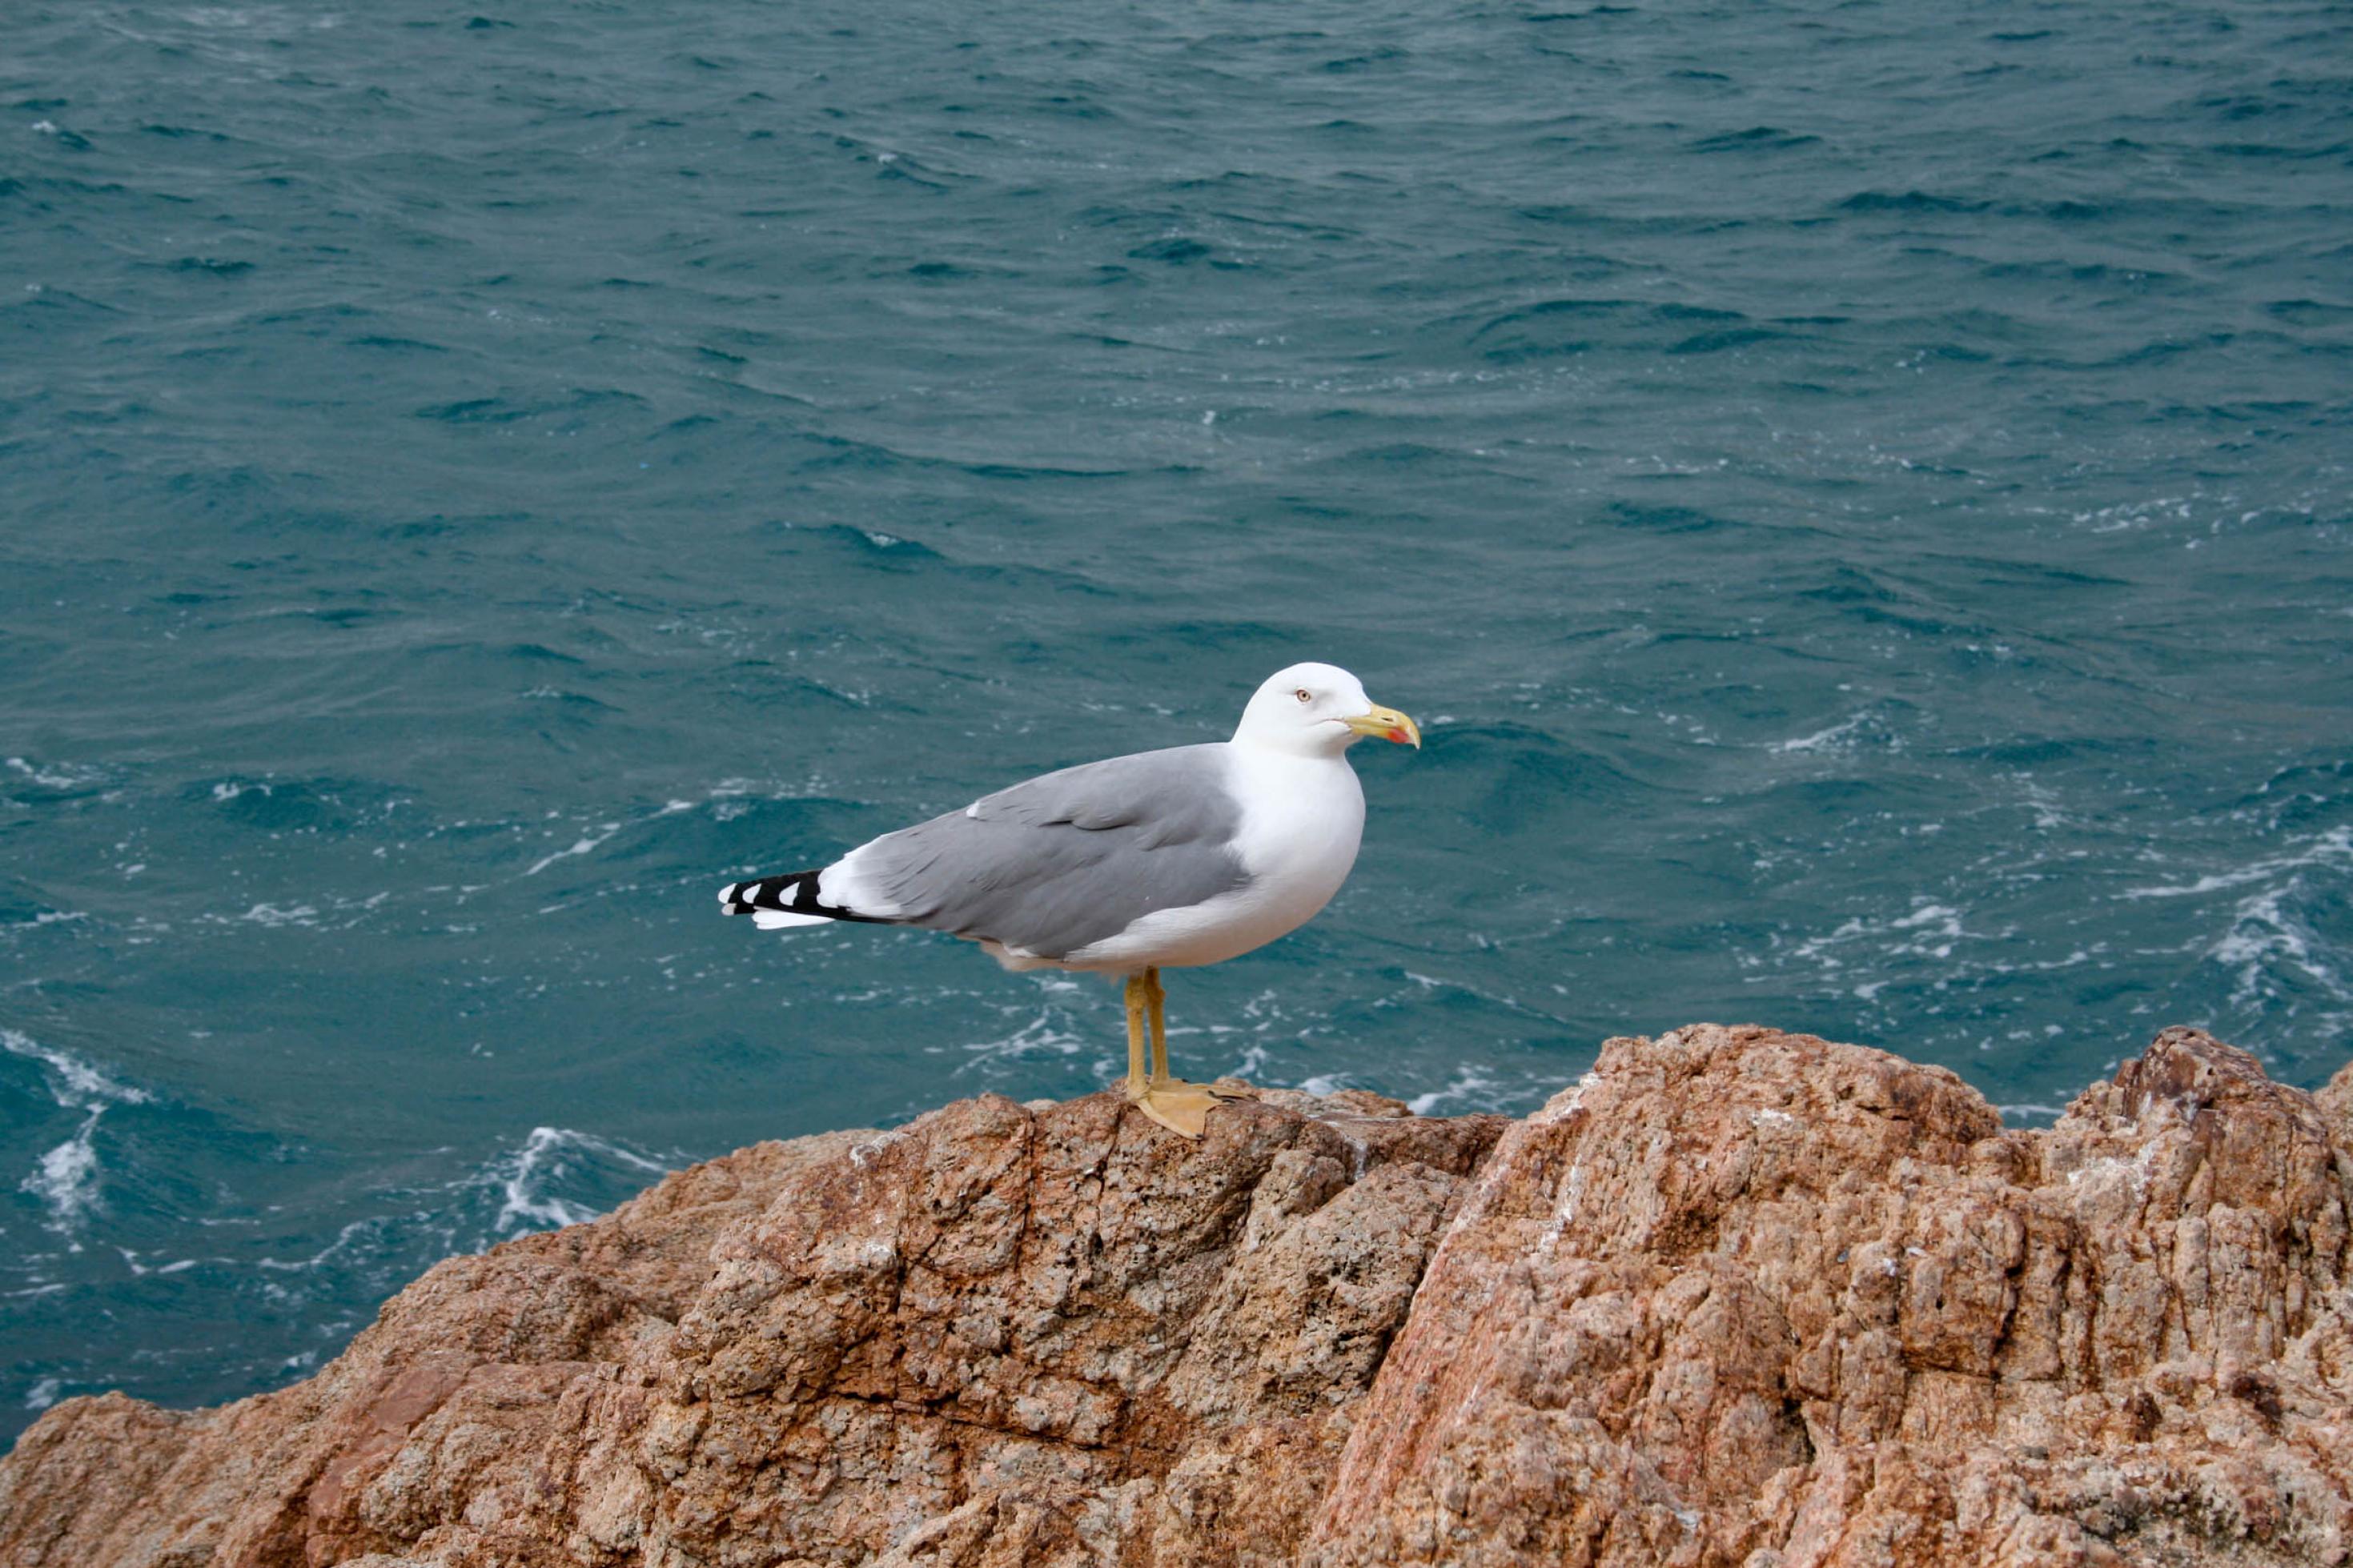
[(1135, 1084), (1158, 1000), (1180, 1107)]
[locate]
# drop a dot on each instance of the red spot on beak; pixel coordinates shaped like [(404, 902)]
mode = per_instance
[(1397, 735)]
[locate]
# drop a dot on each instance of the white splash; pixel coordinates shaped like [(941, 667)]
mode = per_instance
[(2333, 848), (272, 915), (2266, 934), (1930, 929), (58, 775), (1474, 1084), (65, 1178), (1820, 740), (546, 1156)]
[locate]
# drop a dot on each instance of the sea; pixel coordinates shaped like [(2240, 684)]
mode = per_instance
[(1859, 496)]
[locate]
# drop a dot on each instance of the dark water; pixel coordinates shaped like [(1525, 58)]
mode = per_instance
[(1861, 497)]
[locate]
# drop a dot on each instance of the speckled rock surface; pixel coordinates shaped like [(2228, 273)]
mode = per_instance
[(1750, 1298), (1740, 1298), (996, 1335)]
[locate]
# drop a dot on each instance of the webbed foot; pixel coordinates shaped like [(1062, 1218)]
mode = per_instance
[(1180, 1107)]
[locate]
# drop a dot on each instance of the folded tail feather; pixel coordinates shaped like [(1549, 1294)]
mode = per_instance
[(777, 902)]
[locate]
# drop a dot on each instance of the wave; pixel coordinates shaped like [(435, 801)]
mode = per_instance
[(1052, 1032), (551, 1156), (2267, 940), (2333, 849), (64, 778), (1838, 737), (65, 1179), (1474, 1088), (557, 1177)]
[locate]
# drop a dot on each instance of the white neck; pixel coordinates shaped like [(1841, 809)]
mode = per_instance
[(1328, 740)]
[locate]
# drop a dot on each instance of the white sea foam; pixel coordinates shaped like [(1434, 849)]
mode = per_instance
[(582, 847), (1047, 1033), (272, 915), (77, 1083), (2046, 805), (1474, 1086), (549, 1155), (56, 917), (1931, 929), (343, 1239), (65, 1178), (2333, 848), (1833, 739), (54, 775), (529, 1184), (2267, 935)]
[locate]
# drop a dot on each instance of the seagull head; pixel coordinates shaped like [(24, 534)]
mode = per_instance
[(1319, 711)]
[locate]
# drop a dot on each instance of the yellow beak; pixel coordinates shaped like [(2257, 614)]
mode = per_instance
[(1388, 724)]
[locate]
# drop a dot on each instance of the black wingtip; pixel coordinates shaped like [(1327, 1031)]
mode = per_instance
[(795, 891), (740, 899)]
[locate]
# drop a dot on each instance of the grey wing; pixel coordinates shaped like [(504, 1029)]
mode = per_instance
[(1070, 857)]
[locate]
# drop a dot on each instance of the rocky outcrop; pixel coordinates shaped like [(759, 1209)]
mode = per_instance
[(1739, 1298), (1743, 1298)]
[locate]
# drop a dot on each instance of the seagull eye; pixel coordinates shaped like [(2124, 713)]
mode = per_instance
[(1304, 695)]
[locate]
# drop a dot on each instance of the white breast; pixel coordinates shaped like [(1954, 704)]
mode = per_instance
[(1302, 820)]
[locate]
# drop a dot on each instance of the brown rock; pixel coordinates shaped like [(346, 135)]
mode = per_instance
[(1740, 1298), (1751, 1298), (984, 1338)]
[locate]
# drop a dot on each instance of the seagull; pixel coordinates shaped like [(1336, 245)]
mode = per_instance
[(1129, 866)]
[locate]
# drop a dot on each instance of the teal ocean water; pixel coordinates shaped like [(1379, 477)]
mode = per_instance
[(1860, 495)]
